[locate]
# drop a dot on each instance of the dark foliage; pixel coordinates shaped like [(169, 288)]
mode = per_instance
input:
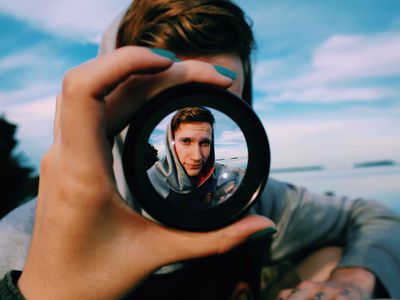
[(17, 182), (151, 156)]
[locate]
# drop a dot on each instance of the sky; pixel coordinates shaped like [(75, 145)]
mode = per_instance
[(326, 73)]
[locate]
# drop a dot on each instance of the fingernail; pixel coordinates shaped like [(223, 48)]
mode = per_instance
[(177, 59), (262, 234), (164, 53), (226, 72)]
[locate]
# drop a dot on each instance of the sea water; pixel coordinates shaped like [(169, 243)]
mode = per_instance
[(380, 183)]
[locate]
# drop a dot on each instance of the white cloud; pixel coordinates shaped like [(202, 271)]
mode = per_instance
[(231, 137), (270, 72), (228, 153), (336, 71), (232, 134), (35, 126), (32, 76), (160, 150), (29, 92), (39, 58), (16, 61), (339, 139), (327, 95), (343, 57), (34, 115), (73, 18)]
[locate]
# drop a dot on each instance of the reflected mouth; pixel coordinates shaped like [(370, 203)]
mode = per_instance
[(195, 166)]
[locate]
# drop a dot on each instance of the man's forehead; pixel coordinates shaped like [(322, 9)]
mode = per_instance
[(194, 127)]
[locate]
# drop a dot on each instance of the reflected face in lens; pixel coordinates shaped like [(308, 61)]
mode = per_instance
[(193, 145)]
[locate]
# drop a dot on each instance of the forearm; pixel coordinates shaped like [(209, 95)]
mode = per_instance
[(366, 230)]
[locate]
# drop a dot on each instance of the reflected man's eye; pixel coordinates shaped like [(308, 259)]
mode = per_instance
[(205, 143), (185, 141)]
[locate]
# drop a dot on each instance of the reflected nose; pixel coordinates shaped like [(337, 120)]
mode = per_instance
[(196, 154)]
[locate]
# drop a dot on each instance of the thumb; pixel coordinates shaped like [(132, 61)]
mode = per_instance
[(186, 245)]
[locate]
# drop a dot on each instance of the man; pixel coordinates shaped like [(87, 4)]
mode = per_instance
[(188, 176)]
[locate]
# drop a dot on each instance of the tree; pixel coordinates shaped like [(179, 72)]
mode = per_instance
[(151, 156), (17, 181)]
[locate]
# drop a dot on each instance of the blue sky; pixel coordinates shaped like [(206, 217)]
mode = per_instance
[(327, 73)]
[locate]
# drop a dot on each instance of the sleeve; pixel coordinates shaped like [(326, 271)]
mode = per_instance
[(15, 237), (366, 230), (8, 288)]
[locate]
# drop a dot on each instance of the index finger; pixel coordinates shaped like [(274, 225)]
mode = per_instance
[(81, 116), (107, 71)]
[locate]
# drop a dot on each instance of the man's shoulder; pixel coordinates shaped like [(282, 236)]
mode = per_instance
[(275, 197), (15, 236), (277, 188)]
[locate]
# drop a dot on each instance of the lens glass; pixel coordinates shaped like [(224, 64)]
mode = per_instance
[(196, 158)]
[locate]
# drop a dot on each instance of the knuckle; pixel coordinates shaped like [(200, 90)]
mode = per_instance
[(222, 248), (75, 184), (198, 71), (86, 189), (71, 83), (225, 243), (69, 79), (306, 284), (46, 162)]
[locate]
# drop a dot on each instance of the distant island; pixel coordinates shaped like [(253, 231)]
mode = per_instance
[(232, 158), (366, 164), (297, 169), (377, 163)]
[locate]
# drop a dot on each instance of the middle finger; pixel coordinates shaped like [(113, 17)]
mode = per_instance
[(127, 98)]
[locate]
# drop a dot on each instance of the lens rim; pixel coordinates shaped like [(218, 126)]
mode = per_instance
[(149, 116)]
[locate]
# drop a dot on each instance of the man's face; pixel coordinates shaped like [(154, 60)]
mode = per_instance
[(193, 145)]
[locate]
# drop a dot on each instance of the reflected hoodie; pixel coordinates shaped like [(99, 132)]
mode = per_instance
[(171, 181)]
